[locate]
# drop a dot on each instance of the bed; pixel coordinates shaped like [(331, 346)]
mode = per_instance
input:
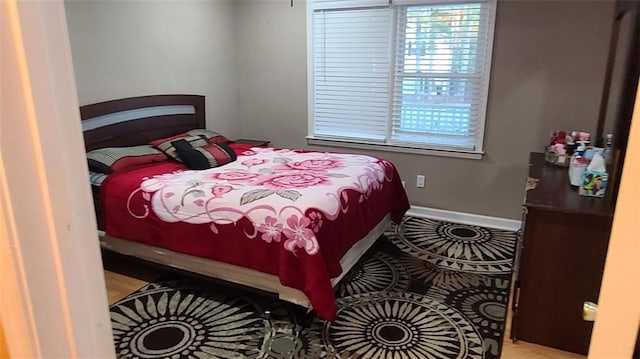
[(286, 221)]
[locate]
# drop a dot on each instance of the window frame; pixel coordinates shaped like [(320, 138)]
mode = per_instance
[(389, 145)]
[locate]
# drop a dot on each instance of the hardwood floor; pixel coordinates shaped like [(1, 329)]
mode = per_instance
[(526, 350), (119, 285)]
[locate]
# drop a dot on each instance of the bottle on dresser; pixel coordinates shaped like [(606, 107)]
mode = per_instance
[(608, 151)]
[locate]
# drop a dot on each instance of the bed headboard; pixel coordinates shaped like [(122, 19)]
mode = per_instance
[(138, 120)]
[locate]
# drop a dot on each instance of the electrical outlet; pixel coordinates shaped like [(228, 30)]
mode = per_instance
[(420, 181), (404, 184)]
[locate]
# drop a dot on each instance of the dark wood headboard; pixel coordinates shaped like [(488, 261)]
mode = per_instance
[(138, 120)]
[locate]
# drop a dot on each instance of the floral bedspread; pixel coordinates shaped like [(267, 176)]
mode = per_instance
[(286, 212)]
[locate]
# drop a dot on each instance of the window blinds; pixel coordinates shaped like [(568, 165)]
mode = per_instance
[(427, 2), (351, 51), (403, 75), (441, 74), (346, 4)]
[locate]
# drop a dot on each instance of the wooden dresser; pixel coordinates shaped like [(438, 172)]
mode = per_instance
[(563, 249)]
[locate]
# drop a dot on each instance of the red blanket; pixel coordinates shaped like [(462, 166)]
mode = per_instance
[(290, 213)]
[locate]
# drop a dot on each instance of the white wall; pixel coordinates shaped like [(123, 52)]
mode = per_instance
[(131, 48)]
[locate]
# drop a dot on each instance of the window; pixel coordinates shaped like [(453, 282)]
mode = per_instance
[(401, 76)]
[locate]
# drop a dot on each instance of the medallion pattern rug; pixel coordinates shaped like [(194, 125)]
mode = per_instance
[(426, 289)]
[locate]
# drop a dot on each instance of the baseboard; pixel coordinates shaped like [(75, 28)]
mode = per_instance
[(465, 218)]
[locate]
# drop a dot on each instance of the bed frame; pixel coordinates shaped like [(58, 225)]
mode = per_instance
[(138, 120)]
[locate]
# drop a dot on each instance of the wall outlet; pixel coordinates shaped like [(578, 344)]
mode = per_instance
[(404, 184), (420, 181)]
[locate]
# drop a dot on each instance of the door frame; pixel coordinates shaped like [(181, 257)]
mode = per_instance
[(53, 300), (616, 327)]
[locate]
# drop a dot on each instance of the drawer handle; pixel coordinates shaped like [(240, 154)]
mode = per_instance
[(532, 183), (589, 311)]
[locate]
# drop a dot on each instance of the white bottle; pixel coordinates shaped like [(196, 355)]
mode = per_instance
[(576, 169)]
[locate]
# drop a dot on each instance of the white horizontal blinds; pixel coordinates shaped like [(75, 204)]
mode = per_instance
[(430, 2), (346, 4), (441, 75), (351, 73)]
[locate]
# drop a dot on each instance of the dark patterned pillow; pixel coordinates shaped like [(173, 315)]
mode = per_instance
[(197, 138), (166, 145), (212, 136), (111, 159), (204, 157)]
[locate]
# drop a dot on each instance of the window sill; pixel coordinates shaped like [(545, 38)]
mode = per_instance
[(474, 155)]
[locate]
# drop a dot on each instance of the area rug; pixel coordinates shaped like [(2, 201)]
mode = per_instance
[(427, 289)]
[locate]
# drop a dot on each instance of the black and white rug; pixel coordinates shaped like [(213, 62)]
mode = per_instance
[(427, 289)]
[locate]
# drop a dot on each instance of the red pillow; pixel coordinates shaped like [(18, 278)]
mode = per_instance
[(196, 138), (204, 157), (167, 145), (212, 136)]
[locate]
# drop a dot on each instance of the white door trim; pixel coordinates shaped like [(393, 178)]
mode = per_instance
[(53, 297), (618, 320)]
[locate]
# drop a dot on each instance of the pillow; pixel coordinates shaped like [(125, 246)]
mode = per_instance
[(111, 159), (213, 137), (96, 178), (210, 136), (203, 157), (166, 145), (195, 137)]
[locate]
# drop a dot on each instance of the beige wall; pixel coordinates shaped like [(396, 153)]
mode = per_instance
[(132, 48), (249, 58), (548, 68)]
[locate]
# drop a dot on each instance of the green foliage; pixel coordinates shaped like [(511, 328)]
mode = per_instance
[(457, 26)]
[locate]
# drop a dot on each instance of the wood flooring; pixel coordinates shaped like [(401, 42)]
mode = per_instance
[(124, 277)]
